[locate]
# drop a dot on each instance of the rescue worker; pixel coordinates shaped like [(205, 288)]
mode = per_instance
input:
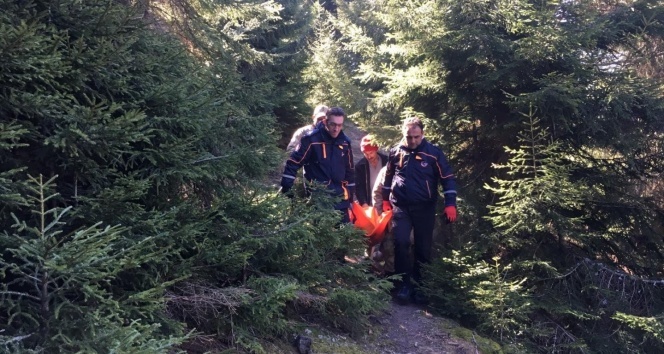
[(413, 172), (327, 158)]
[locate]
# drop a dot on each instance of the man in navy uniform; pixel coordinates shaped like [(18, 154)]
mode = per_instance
[(327, 158), (413, 172)]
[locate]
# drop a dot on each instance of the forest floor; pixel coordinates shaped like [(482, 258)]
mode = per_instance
[(405, 329), (400, 329)]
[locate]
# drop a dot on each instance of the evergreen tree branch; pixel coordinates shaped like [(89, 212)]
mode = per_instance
[(19, 294), (604, 268)]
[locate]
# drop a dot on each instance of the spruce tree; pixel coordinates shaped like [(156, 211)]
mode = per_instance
[(538, 196), (57, 291)]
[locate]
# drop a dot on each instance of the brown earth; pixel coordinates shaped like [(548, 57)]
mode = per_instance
[(413, 330)]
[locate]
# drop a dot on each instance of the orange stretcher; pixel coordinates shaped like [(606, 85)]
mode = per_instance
[(368, 220)]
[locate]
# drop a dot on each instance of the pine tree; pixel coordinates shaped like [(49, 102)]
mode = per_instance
[(56, 291), (258, 47), (503, 302), (539, 205), (537, 197)]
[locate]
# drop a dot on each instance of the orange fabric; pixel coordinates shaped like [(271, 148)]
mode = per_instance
[(368, 220), (343, 186)]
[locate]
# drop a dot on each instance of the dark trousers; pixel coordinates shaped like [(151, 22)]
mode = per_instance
[(345, 217), (421, 219)]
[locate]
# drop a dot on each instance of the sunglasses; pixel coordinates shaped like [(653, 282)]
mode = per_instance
[(335, 125)]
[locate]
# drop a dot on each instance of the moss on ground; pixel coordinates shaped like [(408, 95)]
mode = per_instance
[(484, 345)]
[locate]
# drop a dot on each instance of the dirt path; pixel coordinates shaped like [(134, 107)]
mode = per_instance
[(413, 330), (401, 329)]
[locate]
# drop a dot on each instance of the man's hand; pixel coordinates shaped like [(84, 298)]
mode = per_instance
[(386, 206), (451, 213)]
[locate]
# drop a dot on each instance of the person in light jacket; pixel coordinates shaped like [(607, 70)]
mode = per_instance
[(366, 170), (318, 116)]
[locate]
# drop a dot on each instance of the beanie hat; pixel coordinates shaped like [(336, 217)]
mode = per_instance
[(367, 144)]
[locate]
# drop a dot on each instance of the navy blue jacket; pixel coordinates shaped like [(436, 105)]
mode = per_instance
[(412, 176), (326, 160)]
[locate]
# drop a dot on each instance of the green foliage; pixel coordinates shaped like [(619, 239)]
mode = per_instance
[(260, 279), (256, 47), (490, 297), (590, 293), (538, 195), (307, 249), (10, 189), (653, 327), (326, 72), (170, 142), (264, 312), (55, 289), (454, 274), (503, 302), (160, 118)]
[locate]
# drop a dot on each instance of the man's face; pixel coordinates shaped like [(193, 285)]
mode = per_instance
[(334, 125), (413, 135), (371, 155)]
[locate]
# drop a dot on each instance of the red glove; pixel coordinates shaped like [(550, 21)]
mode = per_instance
[(450, 212), (386, 206)]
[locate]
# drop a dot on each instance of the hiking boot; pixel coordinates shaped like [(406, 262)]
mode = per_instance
[(404, 294)]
